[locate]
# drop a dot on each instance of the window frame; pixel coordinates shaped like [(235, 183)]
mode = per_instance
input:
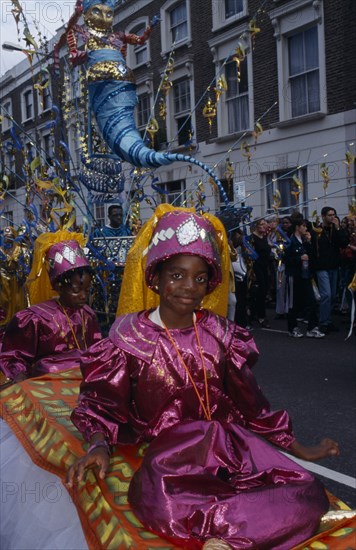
[(166, 38), (289, 20), (132, 49), (276, 178), (221, 47), (183, 70), (6, 121), (239, 98), (219, 14), (28, 91), (169, 197)]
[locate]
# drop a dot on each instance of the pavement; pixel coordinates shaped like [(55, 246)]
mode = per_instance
[(315, 380)]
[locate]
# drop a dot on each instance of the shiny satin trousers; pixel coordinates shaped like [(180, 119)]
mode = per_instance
[(201, 479)]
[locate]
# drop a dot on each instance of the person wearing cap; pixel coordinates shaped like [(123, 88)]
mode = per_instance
[(51, 334), (178, 376)]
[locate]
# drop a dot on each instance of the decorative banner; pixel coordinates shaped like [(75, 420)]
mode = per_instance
[(299, 188), (238, 57), (253, 30), (349, 159), (258, 130), (324, 172), (209, 112), (277, 199), (162, 108), (245, 150), (229, 170), (220, 88), (152, 128)]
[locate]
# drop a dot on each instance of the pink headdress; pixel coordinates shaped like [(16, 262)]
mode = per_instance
[(180, 232), (64, 256)]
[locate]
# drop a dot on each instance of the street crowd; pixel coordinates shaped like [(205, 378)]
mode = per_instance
[(303, 269)]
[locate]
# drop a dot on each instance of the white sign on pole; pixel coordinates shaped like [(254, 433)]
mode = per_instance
[(239, 191)]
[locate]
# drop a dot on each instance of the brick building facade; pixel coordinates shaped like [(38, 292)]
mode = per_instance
[(297, 80)]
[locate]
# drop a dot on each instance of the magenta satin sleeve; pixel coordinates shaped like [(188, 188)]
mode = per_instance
[(93, 334), (20, 344), (243, 389), (104, 393)]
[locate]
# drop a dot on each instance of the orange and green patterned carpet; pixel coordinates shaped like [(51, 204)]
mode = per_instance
[(38, 411)]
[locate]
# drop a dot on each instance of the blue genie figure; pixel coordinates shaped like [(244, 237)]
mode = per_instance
[(112, 89)]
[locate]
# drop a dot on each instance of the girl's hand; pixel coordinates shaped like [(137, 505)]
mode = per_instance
[(326, 447), (98, 457)]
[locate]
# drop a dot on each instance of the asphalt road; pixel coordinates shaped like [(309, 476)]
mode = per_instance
[(315, 380)]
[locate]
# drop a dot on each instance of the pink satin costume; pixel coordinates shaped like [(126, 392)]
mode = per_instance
[(39, 339), (199, 479)]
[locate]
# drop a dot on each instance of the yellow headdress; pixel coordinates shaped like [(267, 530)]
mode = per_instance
[(134, 293)]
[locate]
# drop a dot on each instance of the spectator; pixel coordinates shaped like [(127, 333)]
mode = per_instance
[(297, 262), (116, 227), (259, 242), (327, 241), (241, 285), (286, 225), (231, 305)]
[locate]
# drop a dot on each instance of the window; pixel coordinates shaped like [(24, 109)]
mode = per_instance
[(174, 192), (8, 216), (178, 22), (47, 145), (143, 111), (235, 109), (99, 215), (283, 182), (304, 72), (9, 163), (140, 53), (175, 25), (47, 100), (27, 105), (181, 98), (227, 11), (233, 7), (299, 32), (140, 49), (6, 113), (237, 96)]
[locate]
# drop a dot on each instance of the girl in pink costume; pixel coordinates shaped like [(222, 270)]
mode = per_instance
[(179, 377), (51, 335)]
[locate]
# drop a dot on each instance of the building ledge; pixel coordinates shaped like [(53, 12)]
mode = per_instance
[(230, 137), (299, 120)]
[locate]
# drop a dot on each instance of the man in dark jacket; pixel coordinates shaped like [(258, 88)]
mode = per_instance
[(328, 239)]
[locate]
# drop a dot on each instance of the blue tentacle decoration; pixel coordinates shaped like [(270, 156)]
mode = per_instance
[(113, 103)]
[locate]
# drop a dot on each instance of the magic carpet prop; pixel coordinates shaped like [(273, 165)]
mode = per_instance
[(38, 411)]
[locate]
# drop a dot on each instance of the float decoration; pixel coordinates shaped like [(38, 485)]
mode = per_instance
[(238, 57), (298, 188), (257, 132), (209, 112), (220, 88), (277, 200), (112, 93), (324, 172), (349, 159)]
